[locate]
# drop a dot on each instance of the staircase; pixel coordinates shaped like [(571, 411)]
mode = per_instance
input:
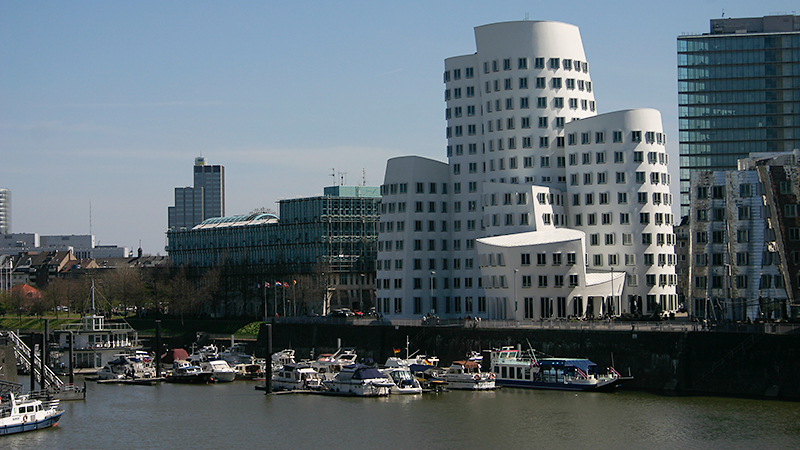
[(23, 355)]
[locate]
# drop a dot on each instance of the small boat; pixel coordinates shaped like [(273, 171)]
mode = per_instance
[(360, 381), (184, 372), (296, 377), (220, 369), (236, 354), (329, 364), (404, 381), (254, 371), (516, 368), (126, 366), (429, 377), (23, 412), (468, 375), (285, 356)]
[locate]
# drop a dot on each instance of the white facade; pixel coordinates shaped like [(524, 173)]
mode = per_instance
[(512, 113)]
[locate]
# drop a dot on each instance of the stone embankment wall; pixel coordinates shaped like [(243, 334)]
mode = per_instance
[(713, 363)]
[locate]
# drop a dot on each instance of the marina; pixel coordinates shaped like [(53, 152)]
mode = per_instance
[(169, 415)]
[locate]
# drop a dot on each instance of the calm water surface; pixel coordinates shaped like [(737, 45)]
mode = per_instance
[(235, 415)]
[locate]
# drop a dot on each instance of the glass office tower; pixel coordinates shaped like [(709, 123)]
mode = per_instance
[(739, 93)]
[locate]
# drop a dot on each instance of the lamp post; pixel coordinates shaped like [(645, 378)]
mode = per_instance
[(514, 281), (432, 285)]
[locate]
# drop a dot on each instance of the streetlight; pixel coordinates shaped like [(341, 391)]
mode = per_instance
[(432, 285), (515, 292)]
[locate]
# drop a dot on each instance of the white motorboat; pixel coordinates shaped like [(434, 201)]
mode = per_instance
[(254, 371), (204, 353), (128, 366), (221, 370), (296, 377), (236, 354), (360, 381), (23, 412), (404, 381), (468, 375), (285, 356), (328, 365)]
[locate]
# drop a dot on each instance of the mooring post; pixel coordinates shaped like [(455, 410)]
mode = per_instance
[(43, 351), (33, 361), (71, 359), (268, 368), (158, 349)]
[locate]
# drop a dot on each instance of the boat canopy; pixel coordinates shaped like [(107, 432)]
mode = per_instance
[(366, 373), (583, 364)]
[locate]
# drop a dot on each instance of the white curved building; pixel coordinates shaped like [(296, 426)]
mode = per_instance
[(518, 111)]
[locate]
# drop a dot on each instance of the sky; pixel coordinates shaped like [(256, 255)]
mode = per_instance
[(105, 105)]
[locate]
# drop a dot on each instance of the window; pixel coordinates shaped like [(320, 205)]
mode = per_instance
[(636, 136)]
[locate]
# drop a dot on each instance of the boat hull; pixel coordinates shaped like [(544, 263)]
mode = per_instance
[(600, 385), (202, 378), (15, 428)]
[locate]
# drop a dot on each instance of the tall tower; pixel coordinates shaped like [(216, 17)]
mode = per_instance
[(5, 211), (204, 200), (739, 93)]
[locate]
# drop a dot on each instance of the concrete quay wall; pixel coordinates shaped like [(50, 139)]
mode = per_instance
[(691, 362)]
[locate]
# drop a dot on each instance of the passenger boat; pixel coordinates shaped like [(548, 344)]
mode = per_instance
[(467, 375), (296, 377), (515, 368), (360, 381), (184, 372), (404, 381), (22, 412)]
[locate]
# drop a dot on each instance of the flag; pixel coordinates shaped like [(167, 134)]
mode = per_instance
[(266, 285), (396, 351), (278, 284)]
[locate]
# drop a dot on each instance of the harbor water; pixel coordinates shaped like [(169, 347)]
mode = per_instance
[(235, 415)]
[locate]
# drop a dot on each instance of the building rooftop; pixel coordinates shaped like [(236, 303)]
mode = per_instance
[(548, 236)]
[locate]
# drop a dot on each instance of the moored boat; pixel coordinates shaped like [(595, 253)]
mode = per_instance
[(404, 381), (23, 412), (328, 365), (220, 369), (360, 381), (468, 375), (296, 377), (184, 372), (515, 368)]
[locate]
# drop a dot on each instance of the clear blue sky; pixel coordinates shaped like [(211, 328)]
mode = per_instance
[(107, 103)]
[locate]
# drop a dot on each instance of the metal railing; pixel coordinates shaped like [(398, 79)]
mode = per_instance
[(23, 354), (677, 326)]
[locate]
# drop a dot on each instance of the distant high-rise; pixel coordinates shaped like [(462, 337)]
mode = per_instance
[(203, 201), (739, 93), (5, 211)]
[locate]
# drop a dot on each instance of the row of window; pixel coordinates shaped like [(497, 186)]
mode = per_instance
[(742, 259), (640, 177), (766, 281), (522, 64), (607, 219), (455, 305), (522, 83), (622, 198), (619, 158)]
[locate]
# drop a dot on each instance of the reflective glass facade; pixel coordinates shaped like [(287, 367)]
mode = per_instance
[(739, 93)]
